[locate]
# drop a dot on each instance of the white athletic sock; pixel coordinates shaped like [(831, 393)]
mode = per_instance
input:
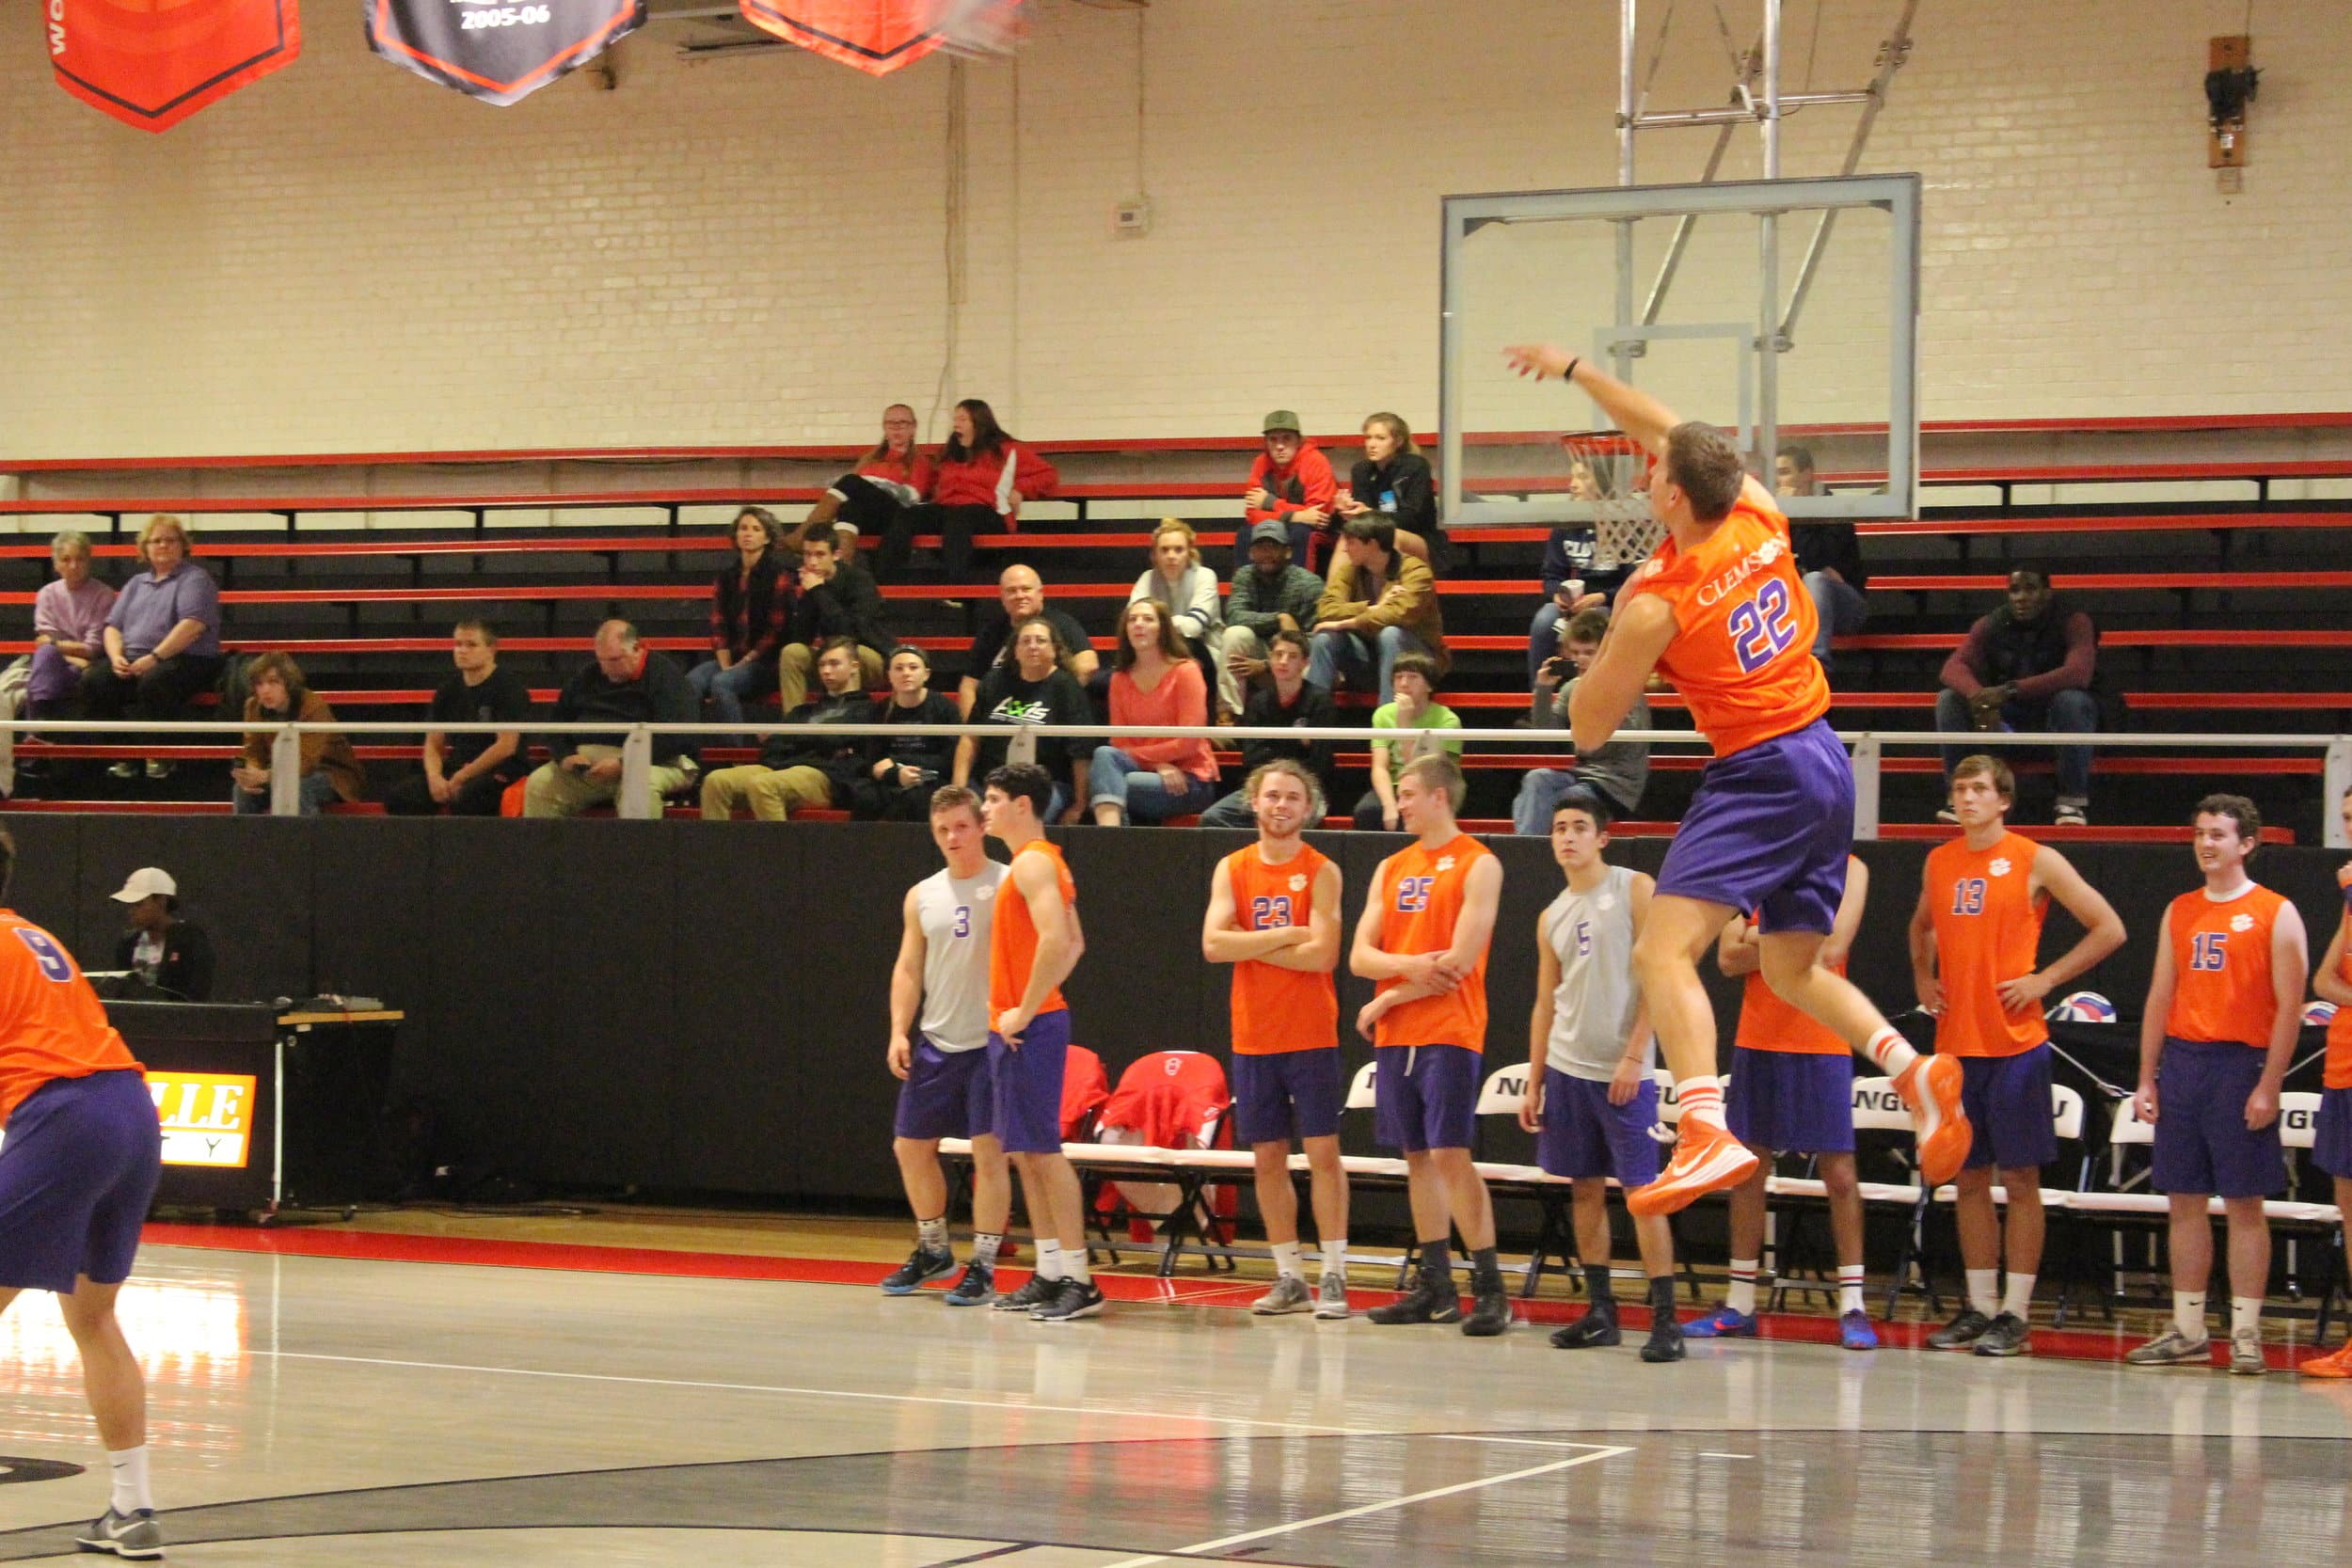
[(1984, 1290), (1849, 1288), (1891, 1052), (2246, 1315), (2189, 1313), (1741, 1298), (130, 1479), (1073, 1265), (1286, 1259), (1048, 1260), (931, 1235), (984, 1246), (1702, 1101), (2018, 1302), (1335, 1257)]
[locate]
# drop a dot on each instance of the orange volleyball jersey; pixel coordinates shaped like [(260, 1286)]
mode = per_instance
[(1988, 929), (1423, 892), (1277, 1010), (1743, 656), (52, 1025), (1012, 935), (1768, 1024), (2221, 967), (2337, 1069)]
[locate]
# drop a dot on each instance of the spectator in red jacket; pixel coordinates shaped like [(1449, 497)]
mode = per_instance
[(1291, 484), (983, 476), (894, 475)]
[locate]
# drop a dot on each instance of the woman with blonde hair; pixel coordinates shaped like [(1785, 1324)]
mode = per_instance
[(1393, 477), (1181, 583), (162, 639), (330, 769)]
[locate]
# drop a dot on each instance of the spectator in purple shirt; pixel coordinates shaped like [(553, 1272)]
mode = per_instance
[(68, 627), (162, 639)]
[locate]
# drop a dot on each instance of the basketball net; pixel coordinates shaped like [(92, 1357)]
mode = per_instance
[(1614, 482)]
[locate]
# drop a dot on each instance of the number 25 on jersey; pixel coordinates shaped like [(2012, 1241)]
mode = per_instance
[(1762, 627)]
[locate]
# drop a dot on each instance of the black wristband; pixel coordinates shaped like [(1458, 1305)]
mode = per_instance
[(1569, 374)]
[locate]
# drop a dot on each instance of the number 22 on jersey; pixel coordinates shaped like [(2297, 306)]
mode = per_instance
[(1761, 626)]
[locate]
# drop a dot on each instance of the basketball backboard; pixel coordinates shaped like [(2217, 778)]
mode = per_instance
[(1785, 310)]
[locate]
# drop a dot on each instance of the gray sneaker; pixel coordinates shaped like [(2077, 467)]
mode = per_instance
[(2171, 1348), (1962, 1332), (2007, 1334), (1034, 1293), (1288, 1295), (1332, 1296), (134, 1535), (2246, 1353)]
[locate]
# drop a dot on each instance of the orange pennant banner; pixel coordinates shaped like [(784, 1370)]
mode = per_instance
[(153, 63), (875, 36)]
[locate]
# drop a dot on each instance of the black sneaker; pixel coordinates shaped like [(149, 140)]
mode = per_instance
[(2007, 1334), (1037, 1293), (1962, 1332), (1490, 1309), (1430, 1301), (1665, 1338), (1072, 1299), (978, 1287), (133, 1535), (922, 1266), (1596, 1328)]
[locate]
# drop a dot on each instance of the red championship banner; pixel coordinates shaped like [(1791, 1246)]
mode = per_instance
[(153, 63), (880, 36), (494, 50)]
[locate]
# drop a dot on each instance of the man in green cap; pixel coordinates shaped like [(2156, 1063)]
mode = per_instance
[(1289, 483)]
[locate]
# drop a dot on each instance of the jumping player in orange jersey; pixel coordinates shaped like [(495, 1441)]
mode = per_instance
[(2331, 1139), (1975, 940), (1032, 947), (2223, 1008), (77, 1171), (1273, 914), (1719, 609)]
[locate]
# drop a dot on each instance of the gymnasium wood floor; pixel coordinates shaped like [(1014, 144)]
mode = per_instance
[(383, 1410)]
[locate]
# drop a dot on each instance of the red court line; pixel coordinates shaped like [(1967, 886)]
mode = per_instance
[(391, 1247)]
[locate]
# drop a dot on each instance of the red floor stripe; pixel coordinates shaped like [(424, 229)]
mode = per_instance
[(1216, 1291)]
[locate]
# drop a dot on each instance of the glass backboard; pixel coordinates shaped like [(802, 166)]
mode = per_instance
[(1785, 310)]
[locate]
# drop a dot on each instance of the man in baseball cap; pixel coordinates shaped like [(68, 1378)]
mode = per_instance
[(172, 955), (1291, 484)]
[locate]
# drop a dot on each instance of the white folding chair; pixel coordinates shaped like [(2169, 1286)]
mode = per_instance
[(1359, 1089)]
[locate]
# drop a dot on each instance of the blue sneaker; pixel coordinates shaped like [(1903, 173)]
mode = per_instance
[(1722, 1324), (1855, 1332), (921, 1267)]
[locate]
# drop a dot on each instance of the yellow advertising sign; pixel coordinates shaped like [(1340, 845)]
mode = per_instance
[(207, 1116)]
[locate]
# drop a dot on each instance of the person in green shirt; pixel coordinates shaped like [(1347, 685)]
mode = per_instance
[(1414, 707)]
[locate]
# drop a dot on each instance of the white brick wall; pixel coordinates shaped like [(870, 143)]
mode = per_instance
[(344, 257)]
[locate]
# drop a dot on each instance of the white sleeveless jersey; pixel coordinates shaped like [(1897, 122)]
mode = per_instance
[(1592, 1012), (955, 916)]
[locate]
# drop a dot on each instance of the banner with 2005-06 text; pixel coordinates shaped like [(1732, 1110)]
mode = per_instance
[(497, 51), (153, 63)]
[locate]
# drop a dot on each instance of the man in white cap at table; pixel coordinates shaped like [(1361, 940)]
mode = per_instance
[(170, 954)]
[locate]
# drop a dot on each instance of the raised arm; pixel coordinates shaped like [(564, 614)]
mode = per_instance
[(1645, 420)]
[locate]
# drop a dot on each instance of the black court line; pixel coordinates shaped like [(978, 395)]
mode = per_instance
[(1939, 1498)]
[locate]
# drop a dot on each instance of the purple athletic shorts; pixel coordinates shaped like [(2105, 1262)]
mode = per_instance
[(2011, 1121), (948, 1094), (1027, 1114), (2331, 1139), (2202, 1145), (1585, 1136), (1790, 1101), (1425, 1096), (1288, 1092), (77, 1171), (1768, 830)]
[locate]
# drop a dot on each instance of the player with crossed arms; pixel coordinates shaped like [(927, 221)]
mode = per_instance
[(1719, 609)]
